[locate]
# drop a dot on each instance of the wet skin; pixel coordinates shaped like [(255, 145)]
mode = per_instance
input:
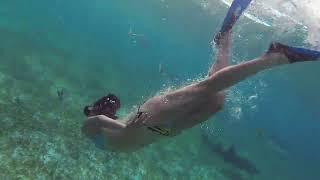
[(177, 110)]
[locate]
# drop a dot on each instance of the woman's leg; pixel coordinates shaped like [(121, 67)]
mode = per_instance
[(223, 55), (223, 38), (277, 55), (222, 60)]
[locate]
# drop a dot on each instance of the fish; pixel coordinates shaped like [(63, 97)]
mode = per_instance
[(230, 155)]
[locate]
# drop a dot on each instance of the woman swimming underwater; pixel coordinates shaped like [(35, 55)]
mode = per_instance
[(168, 115)]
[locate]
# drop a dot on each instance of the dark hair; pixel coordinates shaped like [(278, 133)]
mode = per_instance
[(107, 105)]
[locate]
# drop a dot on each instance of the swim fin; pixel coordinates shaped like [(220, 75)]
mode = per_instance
[(236, 9), (294, 54)]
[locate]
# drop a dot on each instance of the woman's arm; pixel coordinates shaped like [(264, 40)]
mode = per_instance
[(95, 124)]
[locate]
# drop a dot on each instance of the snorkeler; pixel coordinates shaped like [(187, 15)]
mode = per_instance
[(168, 115)]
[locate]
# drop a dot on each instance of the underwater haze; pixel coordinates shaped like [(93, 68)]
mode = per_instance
[(269, 128)]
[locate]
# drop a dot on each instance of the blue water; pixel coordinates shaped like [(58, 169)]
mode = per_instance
[(272, 119)]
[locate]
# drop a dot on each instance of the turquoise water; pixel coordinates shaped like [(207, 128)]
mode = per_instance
[(84, 47)]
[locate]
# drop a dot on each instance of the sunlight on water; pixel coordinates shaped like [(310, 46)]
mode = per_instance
[(282, 14)]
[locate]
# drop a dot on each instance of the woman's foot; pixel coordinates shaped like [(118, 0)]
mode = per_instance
[(236, 9), (294, 54)]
